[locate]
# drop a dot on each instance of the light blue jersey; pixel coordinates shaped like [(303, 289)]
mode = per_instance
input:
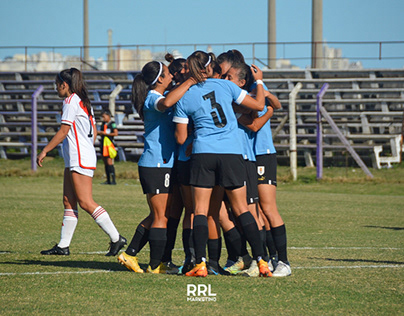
[(263, 143), (159, 144), (248, 138), (209, 105)]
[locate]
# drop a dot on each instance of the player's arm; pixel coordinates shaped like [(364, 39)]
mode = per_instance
[(174, 95), (181, 133), (258, 103), (273, 100), (255, 123), (56, 140)]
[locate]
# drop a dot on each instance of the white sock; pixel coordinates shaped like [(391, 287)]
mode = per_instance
[(70, 219), (103, 220)]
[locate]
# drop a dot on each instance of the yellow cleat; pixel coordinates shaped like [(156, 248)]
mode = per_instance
[(130, 262), (161, 269)]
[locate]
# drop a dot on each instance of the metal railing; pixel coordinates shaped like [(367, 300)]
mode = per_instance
[(372, 54)]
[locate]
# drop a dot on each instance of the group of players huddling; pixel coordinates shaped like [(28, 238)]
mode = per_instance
[(208, 149)]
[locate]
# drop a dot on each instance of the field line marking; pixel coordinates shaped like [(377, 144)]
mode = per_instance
[(109, 271), (292, 248)]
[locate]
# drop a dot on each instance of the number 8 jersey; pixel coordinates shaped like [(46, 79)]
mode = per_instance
[(78, 146), (209, 105)]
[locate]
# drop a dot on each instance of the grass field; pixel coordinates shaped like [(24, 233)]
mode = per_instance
[(345, 238)]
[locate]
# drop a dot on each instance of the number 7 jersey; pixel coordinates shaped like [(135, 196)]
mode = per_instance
[(209, 105), (78, 146)]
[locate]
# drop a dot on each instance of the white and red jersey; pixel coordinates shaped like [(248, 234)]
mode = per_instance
[(78, 146)]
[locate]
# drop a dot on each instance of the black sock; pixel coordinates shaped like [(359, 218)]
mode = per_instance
[(200, 236), (214, 250), (112, 173), (279, 236), (232, 238), (172, 225), (264, 244), (270, 244), (252, 234), (107, 173), (139, 240), (157, 242), (187, 242)]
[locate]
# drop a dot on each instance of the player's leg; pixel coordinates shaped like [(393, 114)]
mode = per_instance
[(158, 231), (70, 218), (84, 192)]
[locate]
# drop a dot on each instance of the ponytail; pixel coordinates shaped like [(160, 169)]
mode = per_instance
[(143, 82), (197, 63), (74, 78)]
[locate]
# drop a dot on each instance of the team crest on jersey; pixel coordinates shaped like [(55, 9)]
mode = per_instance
[(261, 170)]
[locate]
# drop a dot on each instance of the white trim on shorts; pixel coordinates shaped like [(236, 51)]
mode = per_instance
[(85, 172)]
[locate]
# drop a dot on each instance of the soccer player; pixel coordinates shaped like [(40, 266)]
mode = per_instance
[(156, 162), (216, 153), (78, 133), (265, 154), (108, 129)]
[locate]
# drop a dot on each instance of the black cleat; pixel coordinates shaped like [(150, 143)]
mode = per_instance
[(114, 247), (56, 250), (188, 265), (216, 269)]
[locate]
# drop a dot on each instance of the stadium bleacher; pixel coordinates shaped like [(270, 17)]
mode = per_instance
[(367, 106)]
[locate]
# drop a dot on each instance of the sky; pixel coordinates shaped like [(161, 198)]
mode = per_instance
[(135, 22)]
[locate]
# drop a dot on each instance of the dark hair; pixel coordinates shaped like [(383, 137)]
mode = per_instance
[(246, 74), (176, 65), (216, 67), (143, 83), (232, 56), (74, 79), (196, 65), (106, 111)]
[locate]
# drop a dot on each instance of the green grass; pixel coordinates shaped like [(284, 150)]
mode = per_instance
[(345, 238)]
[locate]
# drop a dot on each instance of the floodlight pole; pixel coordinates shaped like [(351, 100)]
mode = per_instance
[(272, 34), (86, 41)]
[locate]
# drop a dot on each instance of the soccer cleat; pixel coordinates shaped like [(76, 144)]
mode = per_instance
[(272, 263), (56, 250), (252, 271), (188, 265), (228, 264), (170, 267), (114, 247), (198, 271), (130, 262), (216, 269), (241, 264), (263, 269), (161, 269), (282, 270)]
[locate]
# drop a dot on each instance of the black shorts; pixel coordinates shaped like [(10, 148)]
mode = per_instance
[(155, 180), (266, 169), (226, 170), (183, 171), (252, 183)]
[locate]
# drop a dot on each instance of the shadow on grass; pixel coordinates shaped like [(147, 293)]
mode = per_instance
[(358, 260), (385, 227), (96, 265)]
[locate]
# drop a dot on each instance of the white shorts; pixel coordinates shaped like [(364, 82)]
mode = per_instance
[(86, 172)]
